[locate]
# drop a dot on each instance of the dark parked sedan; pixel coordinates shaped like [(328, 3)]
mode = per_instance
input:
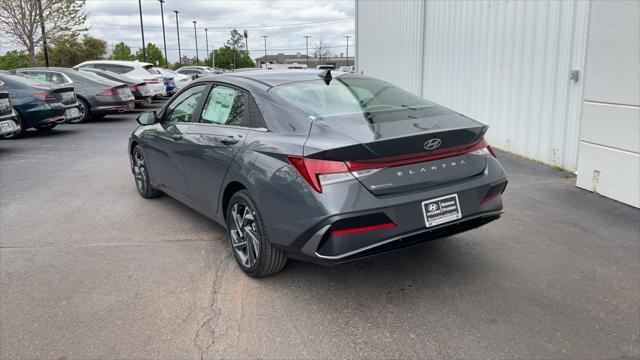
[(39, 105), (140, 90), (97, 96), (326, 169)]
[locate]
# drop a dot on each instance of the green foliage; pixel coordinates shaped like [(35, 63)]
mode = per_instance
[(13, 60), (20, 22), (122, 52), (154, 55), (236, 41), (225, 58), (69, 51)]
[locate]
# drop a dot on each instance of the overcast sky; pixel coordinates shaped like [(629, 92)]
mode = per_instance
[(284, 21)]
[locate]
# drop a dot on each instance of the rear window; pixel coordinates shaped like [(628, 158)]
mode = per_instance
[(150, 69), (346, 96)]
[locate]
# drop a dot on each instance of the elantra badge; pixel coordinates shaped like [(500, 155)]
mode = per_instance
[(432, 144)]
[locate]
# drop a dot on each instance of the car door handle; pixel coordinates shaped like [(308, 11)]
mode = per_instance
[(229, 140), (176, 137)]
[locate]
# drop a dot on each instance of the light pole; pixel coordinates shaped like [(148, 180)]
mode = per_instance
[(178, 32), (144, 49), (206, 39), (44, 35), (306, 37), (195, 34), (347, 37), (266, 62), (164, 38)]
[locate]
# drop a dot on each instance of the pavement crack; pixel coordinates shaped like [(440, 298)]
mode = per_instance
[(205, 335)]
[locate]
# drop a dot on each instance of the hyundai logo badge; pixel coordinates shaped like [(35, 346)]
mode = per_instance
[(432, 144)]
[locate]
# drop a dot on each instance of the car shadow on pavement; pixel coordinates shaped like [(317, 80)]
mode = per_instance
[(57, 132)]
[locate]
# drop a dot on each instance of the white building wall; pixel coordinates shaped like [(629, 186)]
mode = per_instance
[(504, 63), (609, 161), (389, 42)]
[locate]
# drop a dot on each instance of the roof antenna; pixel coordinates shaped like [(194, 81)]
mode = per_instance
[(326, 76)]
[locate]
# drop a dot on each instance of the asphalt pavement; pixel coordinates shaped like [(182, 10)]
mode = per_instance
[(89, 269)]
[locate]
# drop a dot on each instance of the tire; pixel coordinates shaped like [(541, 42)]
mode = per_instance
[(141, 175), (85, 110), (267, 260), (45, 128), (17, 134)]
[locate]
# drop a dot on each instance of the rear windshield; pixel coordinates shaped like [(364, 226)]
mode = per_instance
[(27, 81), (150, 69), (347, 96), (95, 78)]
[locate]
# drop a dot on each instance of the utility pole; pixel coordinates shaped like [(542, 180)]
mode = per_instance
[(347, 37), (195, 33), (266, 62), (306, 37), (164, 38), (206, 39), (144, 49), (44, 35), (178, 32)]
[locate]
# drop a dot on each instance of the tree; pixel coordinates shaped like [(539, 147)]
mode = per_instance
[(225, 58), (122, 52), (13, 59), (154, 55), (68, 51), (236, 41), (322, 50), (20, 21)]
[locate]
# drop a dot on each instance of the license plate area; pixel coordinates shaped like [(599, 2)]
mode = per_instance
[(441, 210)]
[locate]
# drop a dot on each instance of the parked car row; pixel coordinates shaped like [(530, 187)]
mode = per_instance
[(42, 98)]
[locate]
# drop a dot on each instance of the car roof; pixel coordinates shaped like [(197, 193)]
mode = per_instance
[(271, 78), (117, 62)]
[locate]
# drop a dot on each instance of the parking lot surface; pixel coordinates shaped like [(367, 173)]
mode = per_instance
[(89, 269)]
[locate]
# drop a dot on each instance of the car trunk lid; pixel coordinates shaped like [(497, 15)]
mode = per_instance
[(401, 150)]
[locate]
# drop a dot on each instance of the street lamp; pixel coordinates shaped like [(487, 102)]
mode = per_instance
[(206, 39), (144, 50), (306, 37), (195, 33), (266, 62), (347, 37), (164, 38), (178, 32)]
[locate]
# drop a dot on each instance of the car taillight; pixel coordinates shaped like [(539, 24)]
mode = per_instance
[(323, 172), (46, 97), (320, 172), (109, 92), (151, 81)]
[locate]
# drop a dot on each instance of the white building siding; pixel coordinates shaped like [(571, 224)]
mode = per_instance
[(507, 64), (609, 160), (504, 63), (392, 53)]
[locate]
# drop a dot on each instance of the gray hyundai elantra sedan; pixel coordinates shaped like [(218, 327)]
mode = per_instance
[(317, 166)]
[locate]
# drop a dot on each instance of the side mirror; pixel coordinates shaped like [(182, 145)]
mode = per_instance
[(195, 76), (147, 118)]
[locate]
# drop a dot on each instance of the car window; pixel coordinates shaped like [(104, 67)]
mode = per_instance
[(225, 106), (57, 78), (36, 75), (182, 108), (150, 69), (187, 71)]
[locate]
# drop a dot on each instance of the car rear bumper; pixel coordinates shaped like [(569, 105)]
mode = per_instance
[(348, 222)]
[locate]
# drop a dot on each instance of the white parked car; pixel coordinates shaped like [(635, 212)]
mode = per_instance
[(141, 71), (180, 80)]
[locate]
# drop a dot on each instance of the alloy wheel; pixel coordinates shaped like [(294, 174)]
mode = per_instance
[(139, 171), (245, 238), (84, 112)]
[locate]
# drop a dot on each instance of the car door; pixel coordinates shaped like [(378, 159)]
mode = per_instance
[(218, 136), (165, 142)]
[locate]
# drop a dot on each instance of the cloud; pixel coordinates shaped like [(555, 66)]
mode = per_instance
[(284, 22)]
